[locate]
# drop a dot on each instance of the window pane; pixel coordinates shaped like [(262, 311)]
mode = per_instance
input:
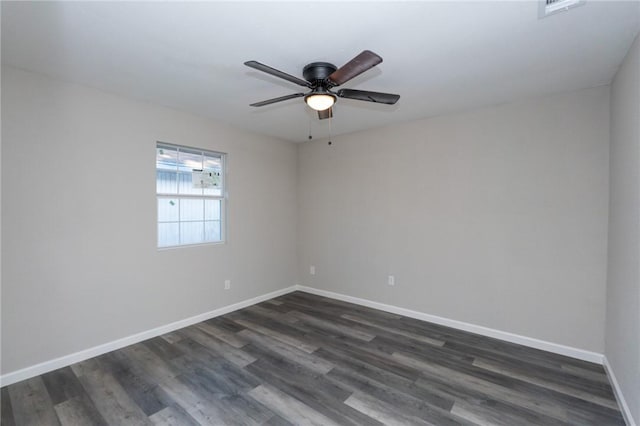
[(212, 231), (188, 161), (166, 158), (213, 191), (217, 192), (168, 234), (186, 184), (191, 209), (166, 182), (212, 209), (191, 232), (168, 210), (214, 165)]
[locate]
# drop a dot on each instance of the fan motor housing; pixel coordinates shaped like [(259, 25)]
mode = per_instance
[(318, 71)]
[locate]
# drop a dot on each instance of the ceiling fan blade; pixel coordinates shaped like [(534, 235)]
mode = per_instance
[(280, 99), (327, 113), (361, 63), (277, 73), (363, 95)]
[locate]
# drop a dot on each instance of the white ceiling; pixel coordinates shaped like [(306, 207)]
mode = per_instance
[(439, 56)]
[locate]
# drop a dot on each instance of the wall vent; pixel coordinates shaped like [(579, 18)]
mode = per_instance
[(550, 7)]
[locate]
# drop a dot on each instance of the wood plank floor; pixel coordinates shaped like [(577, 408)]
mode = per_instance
[(306, 360)]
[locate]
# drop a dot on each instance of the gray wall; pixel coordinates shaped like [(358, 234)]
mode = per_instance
[(496, 217), (80, 264), (623, 280)]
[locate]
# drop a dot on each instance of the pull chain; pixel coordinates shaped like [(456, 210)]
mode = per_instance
[(330, 129)]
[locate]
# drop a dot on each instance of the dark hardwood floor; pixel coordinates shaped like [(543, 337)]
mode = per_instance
[(304, 359)]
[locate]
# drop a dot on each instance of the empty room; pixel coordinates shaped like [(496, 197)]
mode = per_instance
[(320, 213)]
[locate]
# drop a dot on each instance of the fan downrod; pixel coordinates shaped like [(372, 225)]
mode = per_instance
[(318, 71)]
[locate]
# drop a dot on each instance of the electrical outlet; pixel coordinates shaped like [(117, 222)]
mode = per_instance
[(312, 270), (227, 284), (392, 280)]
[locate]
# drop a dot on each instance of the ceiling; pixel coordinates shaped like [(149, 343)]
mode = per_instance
[(440, 57)]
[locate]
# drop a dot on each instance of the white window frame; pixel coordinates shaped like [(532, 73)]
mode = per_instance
[(222, 197)]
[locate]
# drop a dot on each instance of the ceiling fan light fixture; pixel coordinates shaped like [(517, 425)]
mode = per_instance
[(320, 101), (321, 77)]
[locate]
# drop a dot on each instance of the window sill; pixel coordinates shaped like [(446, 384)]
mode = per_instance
[(217, 243)]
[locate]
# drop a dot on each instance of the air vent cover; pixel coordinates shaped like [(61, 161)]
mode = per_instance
[(549, 7)]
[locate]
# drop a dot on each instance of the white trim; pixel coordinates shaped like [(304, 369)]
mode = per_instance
[(66, 360), (460, 325), (63, 361), (624, 408)]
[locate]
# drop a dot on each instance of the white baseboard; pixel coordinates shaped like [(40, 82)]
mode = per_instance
[(626, 412), (44, 367), (460, 325), (63, 361)]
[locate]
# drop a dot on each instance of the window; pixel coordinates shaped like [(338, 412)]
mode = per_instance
[(190, 191)]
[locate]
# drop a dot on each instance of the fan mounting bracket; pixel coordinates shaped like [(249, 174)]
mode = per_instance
[(318, 71)]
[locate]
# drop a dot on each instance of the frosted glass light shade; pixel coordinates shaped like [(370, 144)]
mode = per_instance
[(320, 102)]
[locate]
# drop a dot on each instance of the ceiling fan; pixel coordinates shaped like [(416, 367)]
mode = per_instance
[(321, 77)]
